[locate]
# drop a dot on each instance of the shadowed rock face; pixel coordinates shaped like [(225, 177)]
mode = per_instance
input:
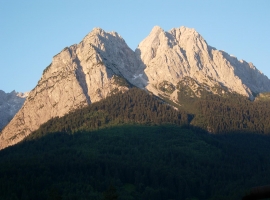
[(90, 71), (10, 104)]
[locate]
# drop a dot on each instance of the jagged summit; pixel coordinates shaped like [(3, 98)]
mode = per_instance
[(103, 64)]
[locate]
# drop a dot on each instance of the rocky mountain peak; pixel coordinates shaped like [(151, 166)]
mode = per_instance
[(10, 103), (183, 30), (183, 52), (79, 75), (156, 30), (188, 38), (97, 30), (102, 64), (148, 48)]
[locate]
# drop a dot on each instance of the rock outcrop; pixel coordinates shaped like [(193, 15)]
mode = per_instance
[(10, 104), (103, 64)]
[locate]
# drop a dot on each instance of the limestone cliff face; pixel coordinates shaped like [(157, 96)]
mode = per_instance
[(78, 75), (10, 104), (182, 52)]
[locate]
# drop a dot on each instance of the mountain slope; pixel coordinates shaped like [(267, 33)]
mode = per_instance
[(10, 104)]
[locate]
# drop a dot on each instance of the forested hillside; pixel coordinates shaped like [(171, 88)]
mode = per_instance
[(140, 162), (214, 113), (225, 113), (132, 107), (133, 145)]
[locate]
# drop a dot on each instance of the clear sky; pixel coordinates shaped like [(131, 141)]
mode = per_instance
[(32, 32)]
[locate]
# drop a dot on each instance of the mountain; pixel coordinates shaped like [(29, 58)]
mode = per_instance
[(182, 52), (102, 64), (79, 75), (10, 104)]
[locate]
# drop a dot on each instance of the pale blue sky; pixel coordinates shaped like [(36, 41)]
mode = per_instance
[(32, 32)]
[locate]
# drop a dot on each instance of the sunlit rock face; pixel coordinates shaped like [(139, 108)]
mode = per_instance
[(79, 75), (182, 52)]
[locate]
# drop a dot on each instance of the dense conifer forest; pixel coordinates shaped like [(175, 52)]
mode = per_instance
[(227, 113), (133, 145), (214, 113), (132, 107), (140, 162)]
